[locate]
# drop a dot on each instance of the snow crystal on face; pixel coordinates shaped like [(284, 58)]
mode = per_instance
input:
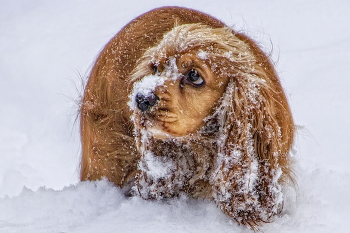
[(202, 54), (170, 69), (145, 86)]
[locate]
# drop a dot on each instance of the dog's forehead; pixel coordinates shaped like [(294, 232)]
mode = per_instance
[(180, 60), (166, 58)]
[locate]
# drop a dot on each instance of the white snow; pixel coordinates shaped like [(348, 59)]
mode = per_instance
[(156, 168), (145, 86), (47, 49), (202, 54)]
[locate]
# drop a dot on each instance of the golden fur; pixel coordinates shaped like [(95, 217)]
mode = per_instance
[(227, 139)]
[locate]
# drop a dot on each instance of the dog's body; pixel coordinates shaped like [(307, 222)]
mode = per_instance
[(179, 103)]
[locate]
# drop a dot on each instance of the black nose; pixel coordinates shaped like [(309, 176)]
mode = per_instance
[(144, 102)]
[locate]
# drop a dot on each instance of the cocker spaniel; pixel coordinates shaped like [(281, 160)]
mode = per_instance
[(179, 103)]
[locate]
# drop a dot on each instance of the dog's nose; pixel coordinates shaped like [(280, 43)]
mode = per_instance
[(144, 102)]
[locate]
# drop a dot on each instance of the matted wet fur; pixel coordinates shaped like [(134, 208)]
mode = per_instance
[(218, 125)]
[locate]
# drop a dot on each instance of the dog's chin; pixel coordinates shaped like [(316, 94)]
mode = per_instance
[(158, 129), (159, 133)]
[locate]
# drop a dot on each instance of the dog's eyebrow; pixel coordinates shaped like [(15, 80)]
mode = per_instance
[(187, 64)]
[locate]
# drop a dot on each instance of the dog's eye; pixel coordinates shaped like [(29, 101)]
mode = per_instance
[(193, 77), (154, 68)]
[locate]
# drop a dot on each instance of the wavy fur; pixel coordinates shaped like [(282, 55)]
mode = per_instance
[(237, 154)]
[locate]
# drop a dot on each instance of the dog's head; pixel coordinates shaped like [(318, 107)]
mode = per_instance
[(217, 93), (178, 83)]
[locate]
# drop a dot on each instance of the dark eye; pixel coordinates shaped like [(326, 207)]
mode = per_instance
[(154, 68), (193, 77)]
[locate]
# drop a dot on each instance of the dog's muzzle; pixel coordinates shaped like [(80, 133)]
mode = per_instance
[(145, 102)]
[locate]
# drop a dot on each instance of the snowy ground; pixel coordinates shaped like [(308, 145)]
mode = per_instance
[(47, 46)]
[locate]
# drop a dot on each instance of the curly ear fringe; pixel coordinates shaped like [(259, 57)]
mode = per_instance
[(254, 159)]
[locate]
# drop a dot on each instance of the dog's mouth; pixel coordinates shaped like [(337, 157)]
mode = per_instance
[(159, 121)]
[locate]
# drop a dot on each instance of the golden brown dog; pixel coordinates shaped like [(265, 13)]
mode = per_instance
[(179, 103)]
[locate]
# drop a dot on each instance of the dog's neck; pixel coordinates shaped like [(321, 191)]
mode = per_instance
[(172, 166)]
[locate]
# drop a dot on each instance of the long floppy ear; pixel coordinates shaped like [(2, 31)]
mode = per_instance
[(254, 159)]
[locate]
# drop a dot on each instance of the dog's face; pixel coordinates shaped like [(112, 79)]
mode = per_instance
[(178, 83), (184, 92)]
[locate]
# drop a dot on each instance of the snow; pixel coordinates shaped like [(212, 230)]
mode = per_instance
[(47, 49), (145, 86), (156, 168), (202, 55)]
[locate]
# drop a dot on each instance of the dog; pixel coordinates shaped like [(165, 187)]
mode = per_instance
[(179, 103)]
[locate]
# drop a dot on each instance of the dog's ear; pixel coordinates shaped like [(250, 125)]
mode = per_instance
[(254, 157)]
